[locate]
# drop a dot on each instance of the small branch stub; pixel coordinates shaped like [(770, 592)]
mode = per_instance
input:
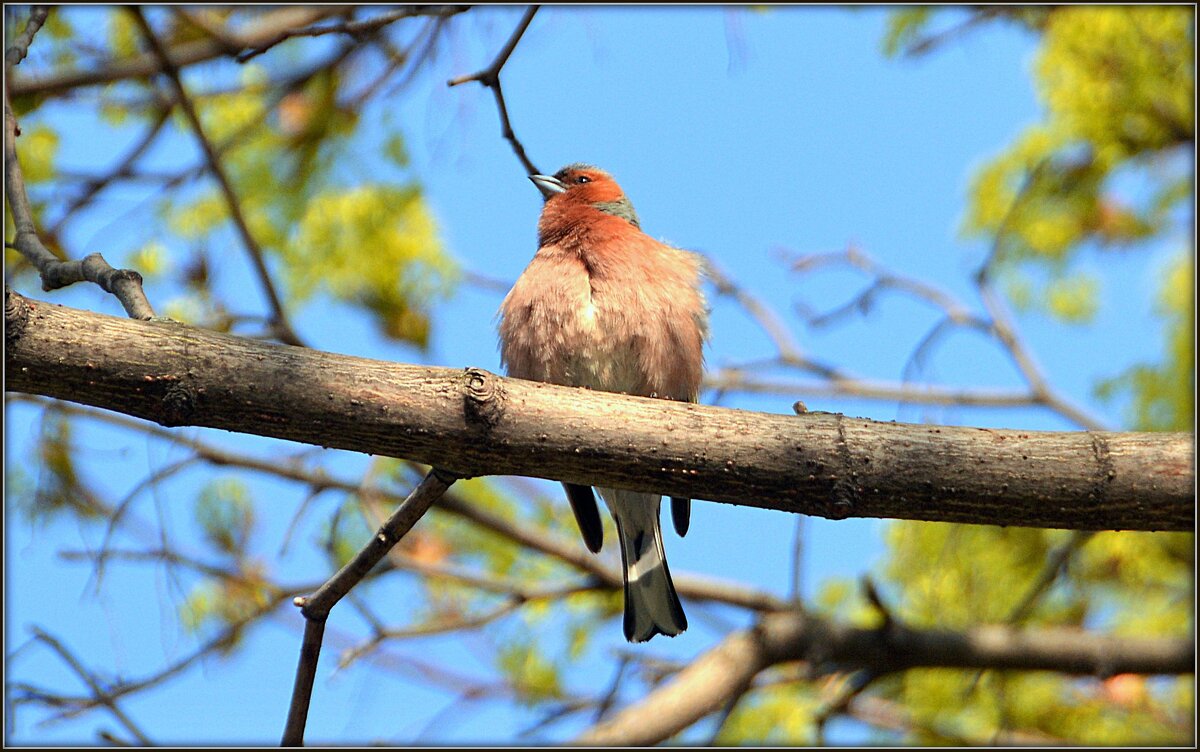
[(484, 401)]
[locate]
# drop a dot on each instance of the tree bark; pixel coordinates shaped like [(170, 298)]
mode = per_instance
[(722, 674), (470, 422)]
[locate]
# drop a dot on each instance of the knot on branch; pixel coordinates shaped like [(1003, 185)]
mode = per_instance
[(178, 406), (484, 398), (846, 491), (95, 267), (16, 317)]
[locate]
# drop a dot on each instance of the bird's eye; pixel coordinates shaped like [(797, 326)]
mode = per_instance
[(581, 179)]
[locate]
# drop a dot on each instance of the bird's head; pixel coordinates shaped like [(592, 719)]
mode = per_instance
[(583, 185)]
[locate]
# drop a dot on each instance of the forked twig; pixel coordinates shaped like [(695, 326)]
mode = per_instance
[(316, 607), (490, 77), (125, 284)]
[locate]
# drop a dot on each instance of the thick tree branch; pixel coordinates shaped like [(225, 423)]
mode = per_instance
[(727, 670), (475, 423)]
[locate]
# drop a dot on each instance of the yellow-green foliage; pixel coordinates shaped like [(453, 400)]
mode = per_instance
[(497, 556), (533, 676), (231, 601), (374, 245), (958, 576), (123, 35), (38, 147), (1119, 78), (1158, 567), (1117, 86), (1084, 711), (1073, 298), (903, 28), (533, 662), (226, 515), (781, 715), (58, 488), (150, 260)]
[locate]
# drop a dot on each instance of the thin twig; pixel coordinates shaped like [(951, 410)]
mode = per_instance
[(125, 284), (262, 28), (735, 379), (797, 568), (1055, 566), (123, 169), (316, 607), (997, 324), (927, 43), (356, 29), (490, 77), (233, 203), (789, 350), (726, 713), (1004, 327), (20, 46), (100, 696)]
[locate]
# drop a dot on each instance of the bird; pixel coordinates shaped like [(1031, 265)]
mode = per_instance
[(605, 306)]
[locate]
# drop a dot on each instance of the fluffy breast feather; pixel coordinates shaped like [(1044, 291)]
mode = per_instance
[(631, 319)]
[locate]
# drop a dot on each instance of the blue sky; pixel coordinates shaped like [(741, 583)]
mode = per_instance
[(738, 133)]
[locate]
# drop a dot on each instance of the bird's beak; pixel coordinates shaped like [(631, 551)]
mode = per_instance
[(548, 185)]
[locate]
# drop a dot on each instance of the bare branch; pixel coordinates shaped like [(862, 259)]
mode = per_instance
[(476, 423), (265, 27), (490, 77), (356, 29), (568, 552), (849, 690), (928, 42), (124, 169), (728, 669), (1002, 323), (99, 695), (789, 349), (885, 714), (233, 203), (20, 46), (128, 687), (735, 379), (1056, 564), (125, 284), (317, 606), (997, 324)]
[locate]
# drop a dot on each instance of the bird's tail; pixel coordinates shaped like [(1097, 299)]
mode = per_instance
[(651, 604)]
